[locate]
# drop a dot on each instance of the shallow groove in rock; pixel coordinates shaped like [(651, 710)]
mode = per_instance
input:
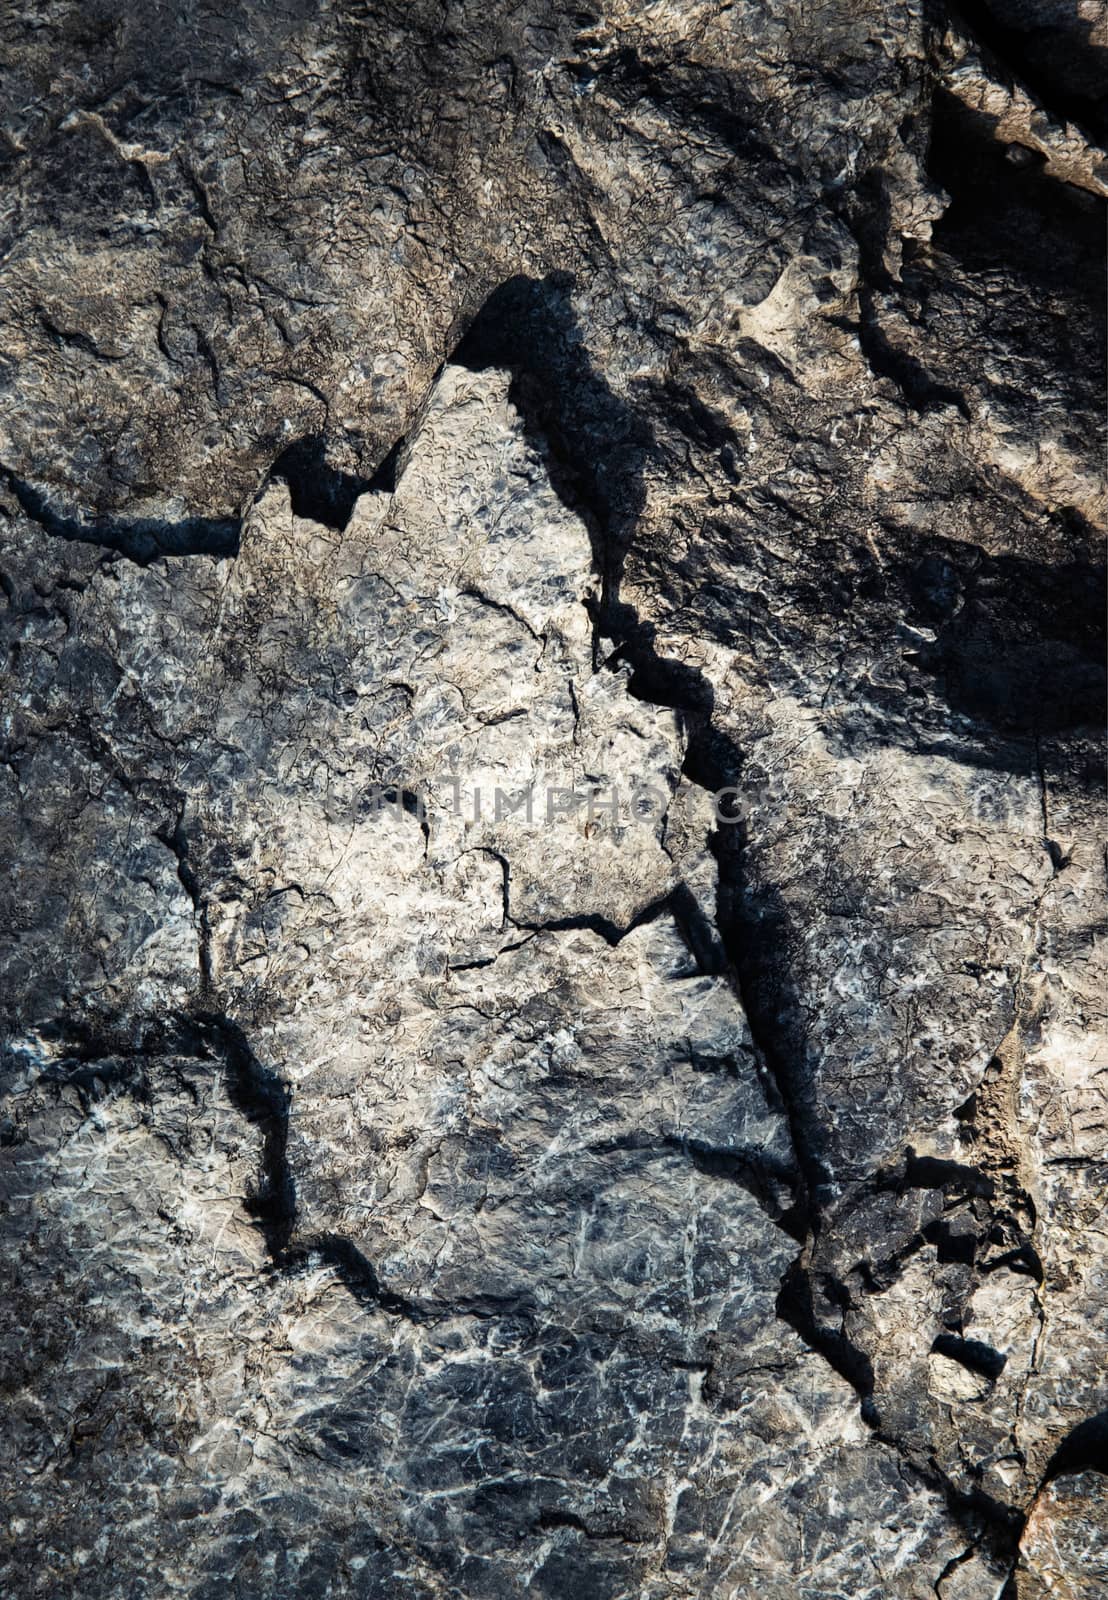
[(142, 541)]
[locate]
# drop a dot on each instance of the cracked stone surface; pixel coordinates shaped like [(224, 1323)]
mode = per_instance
[(598, 1189)]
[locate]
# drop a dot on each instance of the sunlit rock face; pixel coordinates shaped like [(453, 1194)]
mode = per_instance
[(551, 744)]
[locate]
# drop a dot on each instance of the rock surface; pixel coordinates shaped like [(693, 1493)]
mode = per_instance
[(551, 749)]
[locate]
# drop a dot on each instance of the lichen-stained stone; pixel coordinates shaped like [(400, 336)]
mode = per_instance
[(1064, 1549), (551, 835)]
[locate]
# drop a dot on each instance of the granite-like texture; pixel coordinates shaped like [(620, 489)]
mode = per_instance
[(646, 1200)]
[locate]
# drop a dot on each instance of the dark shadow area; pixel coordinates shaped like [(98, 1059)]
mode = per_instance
[(1084, 1449), (141, 541), (922, 391), (358, 1275), (711, 100), (1017, 653), (594, 444), (933, 1172), (1019, 650), (1051, 51), (1020, 644), (1044, 320), (804, 1307), (764, 951), (1009, 212), (973, 1354), (319, 491), (260, 1095)]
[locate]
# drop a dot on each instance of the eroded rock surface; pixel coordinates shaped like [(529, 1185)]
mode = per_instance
[(595, 1188)]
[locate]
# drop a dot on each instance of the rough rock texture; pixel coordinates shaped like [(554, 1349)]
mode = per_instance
[(676, 1198)]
